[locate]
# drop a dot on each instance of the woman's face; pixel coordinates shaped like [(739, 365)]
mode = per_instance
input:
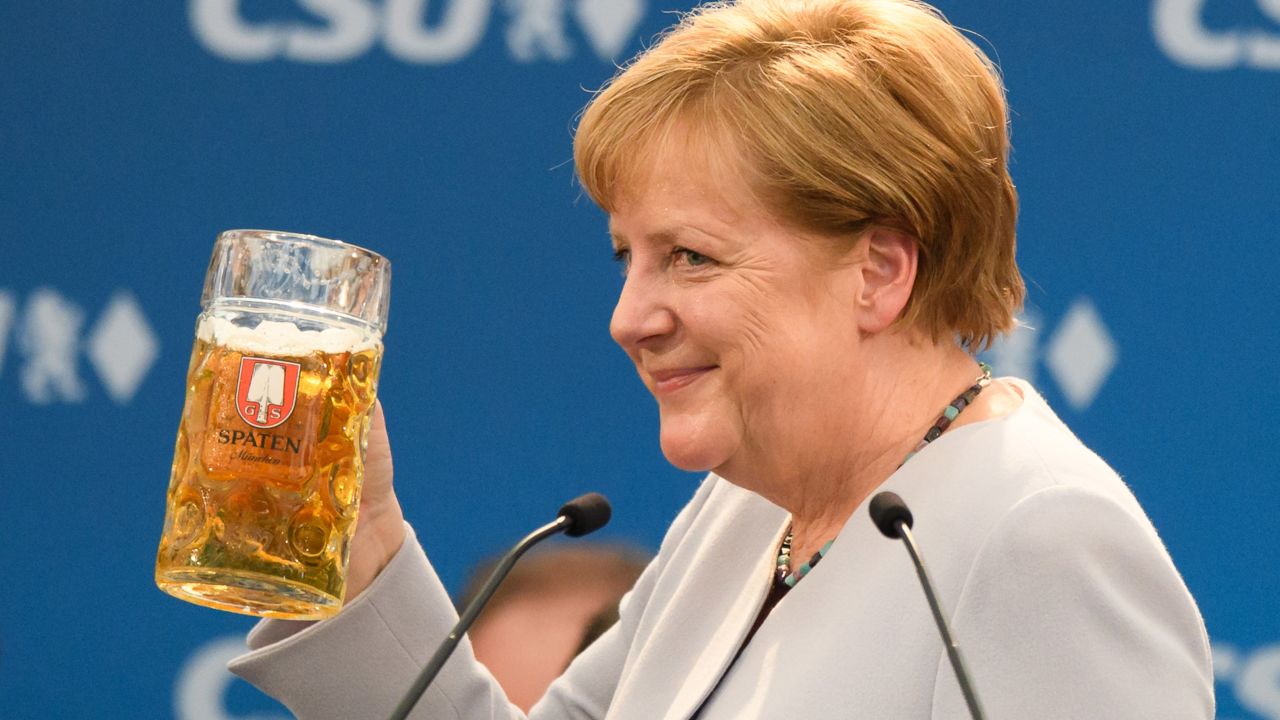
[(743, 328)]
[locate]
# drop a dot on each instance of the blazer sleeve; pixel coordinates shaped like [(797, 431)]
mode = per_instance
[(1073, 609), (359, 663)]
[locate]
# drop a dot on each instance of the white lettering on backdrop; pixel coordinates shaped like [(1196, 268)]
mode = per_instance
[(536, 29), (1181, 33), (1254, 676)]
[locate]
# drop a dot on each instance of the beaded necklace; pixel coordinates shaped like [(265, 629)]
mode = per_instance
[(784, 574)]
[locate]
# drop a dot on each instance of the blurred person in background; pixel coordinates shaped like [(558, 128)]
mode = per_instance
[(555, 602), (811, 204)]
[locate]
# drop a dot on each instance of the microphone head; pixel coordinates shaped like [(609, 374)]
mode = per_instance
[(586, 514), (886, 510)]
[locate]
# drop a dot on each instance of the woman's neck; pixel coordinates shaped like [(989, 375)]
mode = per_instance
[(876, 423)]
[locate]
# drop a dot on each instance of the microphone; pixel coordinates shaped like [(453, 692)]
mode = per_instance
[(586, 514), (579, 516), (893, 518)]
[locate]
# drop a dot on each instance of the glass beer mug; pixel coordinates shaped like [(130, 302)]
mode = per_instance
[(280, 391)]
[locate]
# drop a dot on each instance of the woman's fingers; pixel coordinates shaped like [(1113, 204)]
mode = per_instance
[(380, 525)]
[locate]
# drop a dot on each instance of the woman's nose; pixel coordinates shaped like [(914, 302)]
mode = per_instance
[(643, 315)]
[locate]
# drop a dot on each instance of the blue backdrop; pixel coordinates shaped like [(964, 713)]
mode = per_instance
[(1146, 153)]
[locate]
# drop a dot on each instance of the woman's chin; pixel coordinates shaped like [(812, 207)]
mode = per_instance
[(689, 463), (692, 448)]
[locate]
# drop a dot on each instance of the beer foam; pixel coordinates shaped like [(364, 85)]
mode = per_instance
[(272, 337)]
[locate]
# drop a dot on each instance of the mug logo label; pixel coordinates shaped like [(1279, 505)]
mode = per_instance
[(266, 391)]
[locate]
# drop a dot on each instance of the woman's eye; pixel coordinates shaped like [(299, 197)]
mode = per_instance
[(622, 256), (692, 257)]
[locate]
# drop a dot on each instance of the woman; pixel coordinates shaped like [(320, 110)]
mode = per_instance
[(811, 204)]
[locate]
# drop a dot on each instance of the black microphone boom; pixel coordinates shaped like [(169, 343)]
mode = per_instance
[(578, 517), (892, 516)]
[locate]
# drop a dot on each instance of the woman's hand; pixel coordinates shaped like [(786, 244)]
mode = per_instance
[(380, 528)]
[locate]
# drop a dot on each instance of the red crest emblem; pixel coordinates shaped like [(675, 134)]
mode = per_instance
[(266, 391)]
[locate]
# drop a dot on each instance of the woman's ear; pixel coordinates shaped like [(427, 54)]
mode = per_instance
[(888, 271)]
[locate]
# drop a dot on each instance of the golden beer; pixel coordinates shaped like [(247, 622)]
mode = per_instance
[(262, 505), (266, 473)]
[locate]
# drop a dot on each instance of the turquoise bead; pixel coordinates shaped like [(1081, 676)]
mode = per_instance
[(951, 412)]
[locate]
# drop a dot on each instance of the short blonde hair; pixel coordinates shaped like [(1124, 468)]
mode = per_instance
[(842, 114)]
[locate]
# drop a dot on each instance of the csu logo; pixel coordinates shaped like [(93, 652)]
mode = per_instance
[(347, 29), (1182, 34), (1251, 675), (266, 391), (48, 333)]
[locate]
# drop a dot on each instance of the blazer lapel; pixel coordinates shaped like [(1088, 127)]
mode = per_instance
[(727, 635), (703, 606)]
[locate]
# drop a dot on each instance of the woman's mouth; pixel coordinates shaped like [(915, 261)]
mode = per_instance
[(669, 381)]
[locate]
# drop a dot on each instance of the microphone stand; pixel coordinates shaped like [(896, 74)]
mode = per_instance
[(434, 665), (893, 519), (953, 650)]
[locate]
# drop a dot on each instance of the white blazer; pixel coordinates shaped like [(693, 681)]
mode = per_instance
[(1064, 602)]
